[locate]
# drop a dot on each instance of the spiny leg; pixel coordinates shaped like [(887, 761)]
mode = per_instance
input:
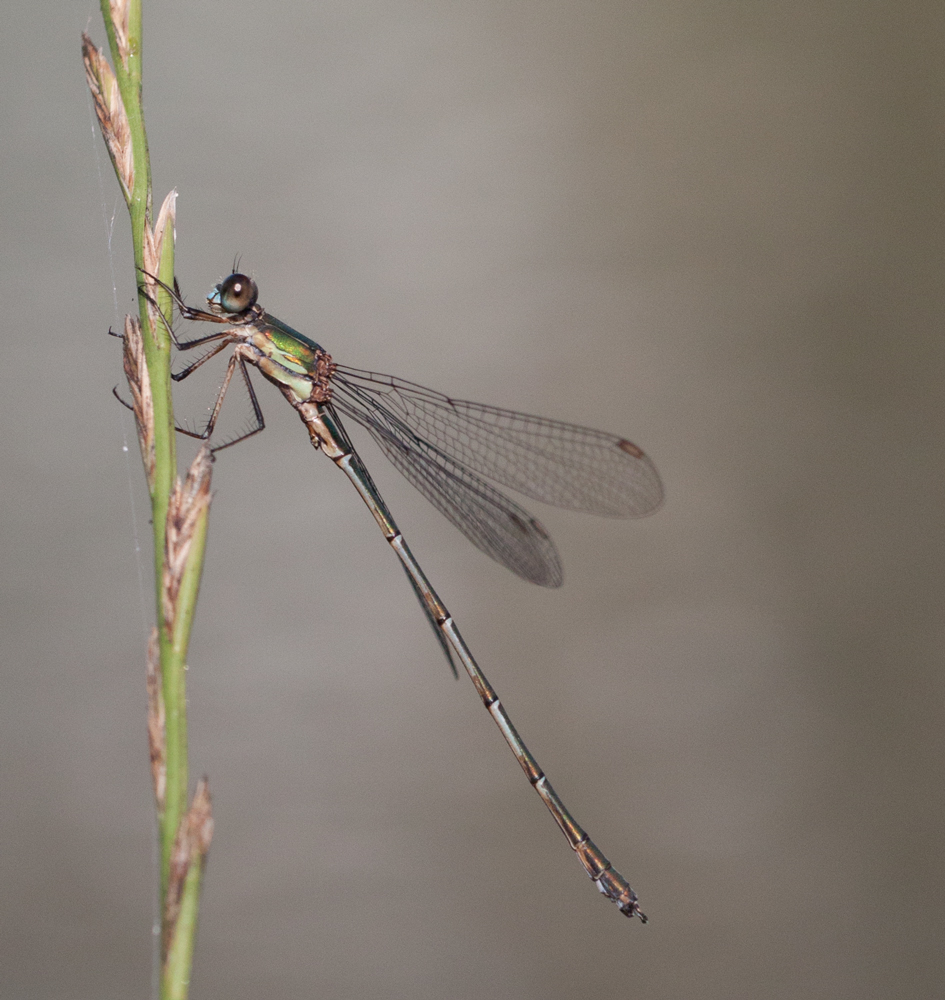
[(236, 360), (327, 434), (202, 435), (230, 338), (259, 422)]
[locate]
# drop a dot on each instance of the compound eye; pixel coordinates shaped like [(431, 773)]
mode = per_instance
[(237, 293)]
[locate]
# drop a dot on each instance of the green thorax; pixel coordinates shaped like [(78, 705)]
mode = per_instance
[(287, 347)]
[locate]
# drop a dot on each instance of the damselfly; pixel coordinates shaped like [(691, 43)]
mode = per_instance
[(444, 447)]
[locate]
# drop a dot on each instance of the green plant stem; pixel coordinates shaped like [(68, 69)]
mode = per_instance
[(157, 341), (173, 647), (175, 976), (157, 351)]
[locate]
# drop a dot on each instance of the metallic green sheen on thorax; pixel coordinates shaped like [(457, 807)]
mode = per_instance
[(294, 356), (288, 347)]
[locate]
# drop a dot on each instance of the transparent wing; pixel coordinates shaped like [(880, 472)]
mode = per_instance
[(562, 464), (490, 520)]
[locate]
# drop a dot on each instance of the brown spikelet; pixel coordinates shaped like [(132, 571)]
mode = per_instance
[(153, 249), (188, 502), (190, 846), (157, 735), (200, 819), (142, 403), (111, 114), (120, 12), (154, 237)]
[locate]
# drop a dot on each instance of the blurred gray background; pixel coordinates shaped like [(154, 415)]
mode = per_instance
[(716, 228)]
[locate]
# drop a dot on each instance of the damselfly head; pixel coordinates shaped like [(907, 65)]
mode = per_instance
[(234, 294)]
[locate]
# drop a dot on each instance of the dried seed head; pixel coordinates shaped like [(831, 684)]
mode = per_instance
[(111, 114), (157, 734), (200, 819), (153, 249), (154, 237), (142, 403), (190, 845), (187, 504), (120, 13)]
